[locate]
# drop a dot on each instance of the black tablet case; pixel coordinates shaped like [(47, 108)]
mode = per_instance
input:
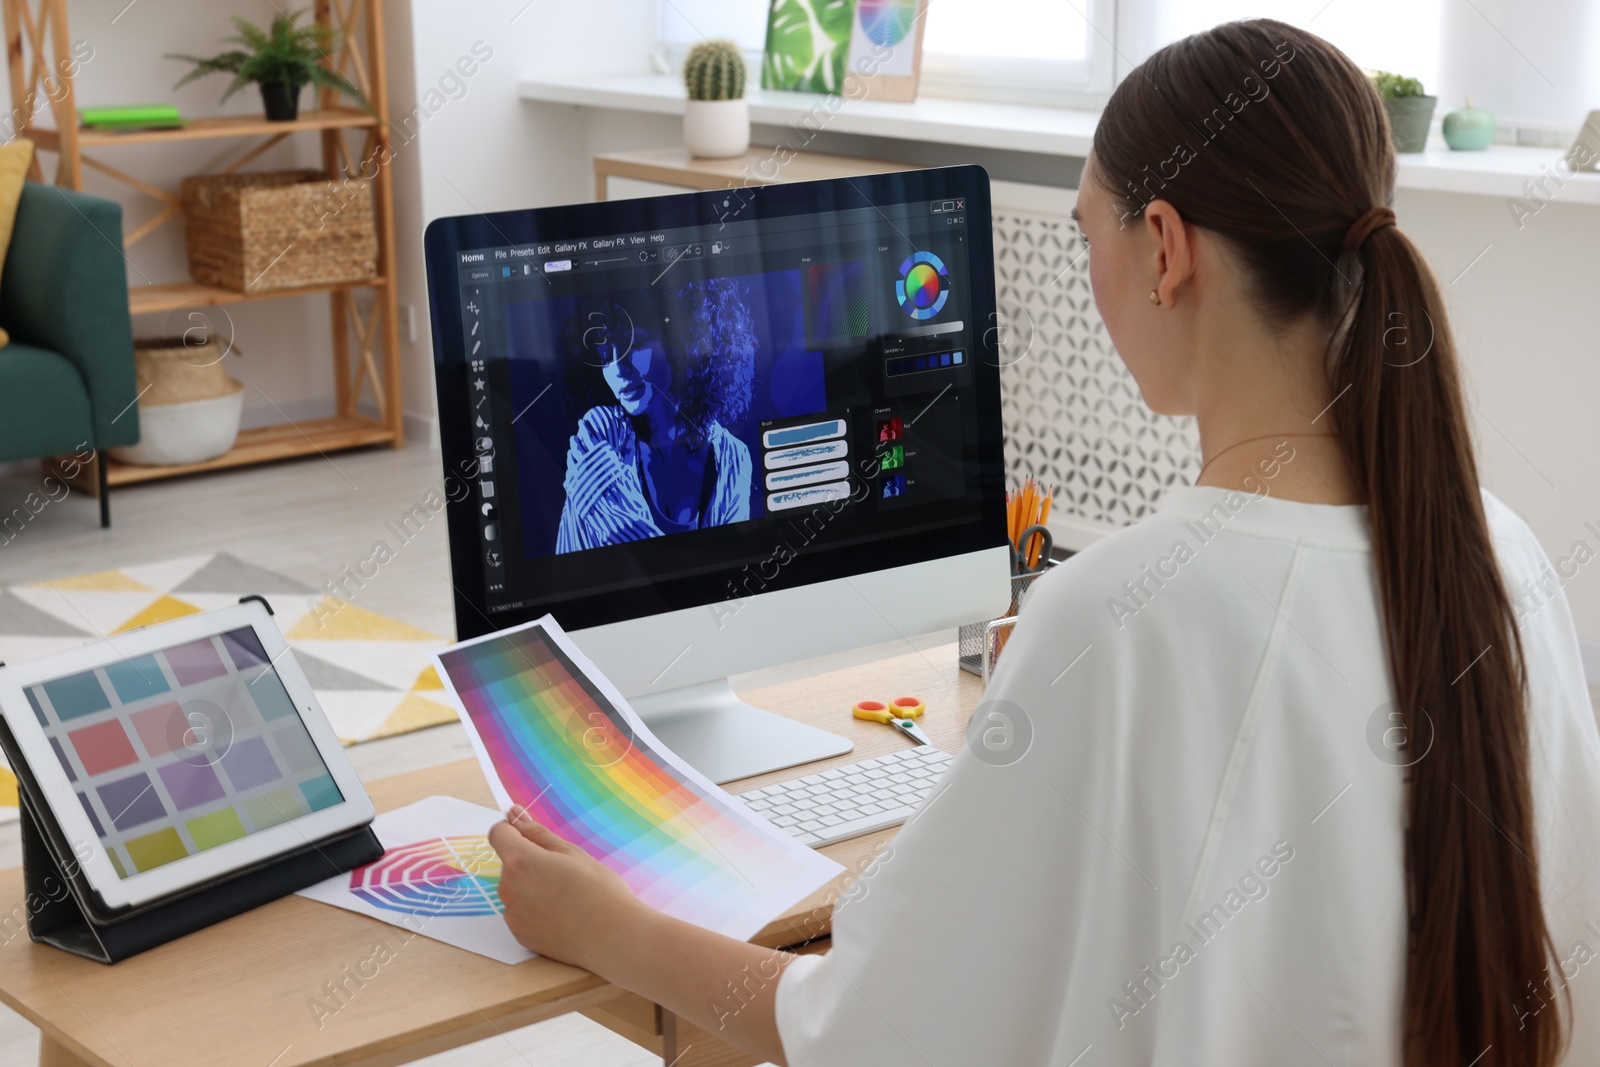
[(60, 907)]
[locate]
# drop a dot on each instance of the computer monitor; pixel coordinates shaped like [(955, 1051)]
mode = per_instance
[(715, 432)]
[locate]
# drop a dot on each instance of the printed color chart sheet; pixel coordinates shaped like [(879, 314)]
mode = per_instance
[(555, 737)]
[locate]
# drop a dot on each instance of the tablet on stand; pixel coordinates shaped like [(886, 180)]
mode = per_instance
[(172, 777)]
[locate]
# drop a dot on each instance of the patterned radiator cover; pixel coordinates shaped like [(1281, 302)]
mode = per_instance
[(1073, 415)]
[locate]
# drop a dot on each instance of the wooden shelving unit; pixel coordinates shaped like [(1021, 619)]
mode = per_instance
[(38, 55)]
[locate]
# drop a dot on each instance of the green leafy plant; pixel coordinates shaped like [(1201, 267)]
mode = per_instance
[(287, 54), (1395, 86), (714, 70)]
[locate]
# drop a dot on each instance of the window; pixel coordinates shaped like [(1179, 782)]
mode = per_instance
[(1001, 29), (1023, 51), (1533, 70), (683, 22), (1533, 66), (1378, 34)]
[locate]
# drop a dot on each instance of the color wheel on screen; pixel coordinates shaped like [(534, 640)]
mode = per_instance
[(886, 22), (444, 876), (923, 285)]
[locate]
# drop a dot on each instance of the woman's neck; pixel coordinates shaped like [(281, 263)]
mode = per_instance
[(1266, 416)]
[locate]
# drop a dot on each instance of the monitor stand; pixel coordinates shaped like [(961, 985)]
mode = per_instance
[(724, 738)]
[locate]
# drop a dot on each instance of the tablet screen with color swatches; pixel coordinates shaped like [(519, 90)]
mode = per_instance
[(184, 749), (556, 740)]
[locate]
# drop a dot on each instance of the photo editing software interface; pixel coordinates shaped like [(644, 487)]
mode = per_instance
[(667, 403), (183, 749)]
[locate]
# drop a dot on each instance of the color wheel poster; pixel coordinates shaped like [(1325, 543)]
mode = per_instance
[(554, 736), (437, 877)]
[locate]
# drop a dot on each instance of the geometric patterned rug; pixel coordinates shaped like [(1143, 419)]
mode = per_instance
[(372, 674)]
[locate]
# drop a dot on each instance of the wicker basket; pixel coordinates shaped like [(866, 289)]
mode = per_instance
[(279, 230), (189, 408)]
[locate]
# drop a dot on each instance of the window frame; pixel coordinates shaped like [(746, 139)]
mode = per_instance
[(1083, 84)]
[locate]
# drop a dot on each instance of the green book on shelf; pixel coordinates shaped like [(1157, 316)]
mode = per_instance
[(132, 115)]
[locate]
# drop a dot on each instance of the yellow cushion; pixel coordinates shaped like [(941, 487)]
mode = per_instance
[(15, 158)]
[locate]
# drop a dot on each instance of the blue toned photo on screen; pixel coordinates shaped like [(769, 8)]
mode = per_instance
[(656, 396)]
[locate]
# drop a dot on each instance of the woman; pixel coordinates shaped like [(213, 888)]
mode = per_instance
[(1300, 787), (657, 458)]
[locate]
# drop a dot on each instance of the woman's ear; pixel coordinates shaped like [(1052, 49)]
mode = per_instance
[(1173, 249)]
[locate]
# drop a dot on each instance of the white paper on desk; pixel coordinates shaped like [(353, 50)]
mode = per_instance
[(554, 736), (437, 877)]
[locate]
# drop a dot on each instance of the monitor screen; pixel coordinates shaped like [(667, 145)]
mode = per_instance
[(184, 749), (684, 400)]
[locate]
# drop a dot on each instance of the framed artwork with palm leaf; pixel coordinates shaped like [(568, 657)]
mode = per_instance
[(808, 42)]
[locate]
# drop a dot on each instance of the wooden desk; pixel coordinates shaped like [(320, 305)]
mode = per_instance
[(247, 991)]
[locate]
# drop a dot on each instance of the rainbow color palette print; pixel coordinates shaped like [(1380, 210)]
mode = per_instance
[(554, 736), (437, 877)]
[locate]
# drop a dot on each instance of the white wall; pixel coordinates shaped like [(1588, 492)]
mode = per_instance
[(1521, 59), (1523, 318), (475, 146)]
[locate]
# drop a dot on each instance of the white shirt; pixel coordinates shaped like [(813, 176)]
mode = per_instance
[(1197, 859)]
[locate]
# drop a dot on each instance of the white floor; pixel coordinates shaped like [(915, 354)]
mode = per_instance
[(306, 519)]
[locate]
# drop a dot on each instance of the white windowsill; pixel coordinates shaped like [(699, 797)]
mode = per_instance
[(1052, 131), (1499, 171)]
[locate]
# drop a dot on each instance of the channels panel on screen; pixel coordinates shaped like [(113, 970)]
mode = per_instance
[(182, 750)]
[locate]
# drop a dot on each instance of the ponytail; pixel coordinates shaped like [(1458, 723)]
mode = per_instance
[(1477, 931), (1315, 145)]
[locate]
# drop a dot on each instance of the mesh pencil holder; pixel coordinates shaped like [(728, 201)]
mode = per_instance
[(980, 643)]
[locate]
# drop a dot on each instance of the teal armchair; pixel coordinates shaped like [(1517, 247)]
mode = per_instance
[(66, 379)]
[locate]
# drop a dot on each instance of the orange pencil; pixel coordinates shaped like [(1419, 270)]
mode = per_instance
[(1038, 540)]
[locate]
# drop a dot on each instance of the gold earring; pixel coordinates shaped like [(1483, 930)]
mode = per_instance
[(1155, 297)]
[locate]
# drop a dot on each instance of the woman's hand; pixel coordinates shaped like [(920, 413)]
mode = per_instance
[(560, 901), (563, 903)]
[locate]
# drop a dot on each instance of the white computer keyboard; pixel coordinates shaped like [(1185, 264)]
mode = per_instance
[(852, 800)]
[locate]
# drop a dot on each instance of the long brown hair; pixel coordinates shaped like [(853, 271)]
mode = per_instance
[(1271, 138)]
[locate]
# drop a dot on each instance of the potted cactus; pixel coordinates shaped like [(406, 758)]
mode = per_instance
[(716, 119), (1410, 109)]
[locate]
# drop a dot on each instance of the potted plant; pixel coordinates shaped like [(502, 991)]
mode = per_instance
[(281, 60), (1410, 109), (716, 118)]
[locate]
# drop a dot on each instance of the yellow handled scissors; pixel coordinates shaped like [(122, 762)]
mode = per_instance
[(901, 713)]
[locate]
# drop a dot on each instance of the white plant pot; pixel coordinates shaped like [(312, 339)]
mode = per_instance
[(716, 129), (191, 432)]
